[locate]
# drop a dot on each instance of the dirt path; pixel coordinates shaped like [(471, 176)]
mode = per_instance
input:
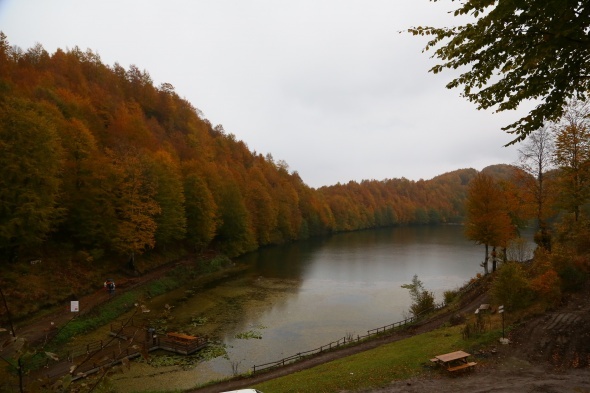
[(38, 330), (524, 377)]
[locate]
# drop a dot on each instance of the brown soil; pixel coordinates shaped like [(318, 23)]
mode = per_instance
[(549, 353)]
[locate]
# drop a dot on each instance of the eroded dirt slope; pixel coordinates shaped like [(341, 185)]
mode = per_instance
[(560, 338)]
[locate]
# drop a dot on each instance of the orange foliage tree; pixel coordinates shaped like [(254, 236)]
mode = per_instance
[(488, 221), (572, 156)]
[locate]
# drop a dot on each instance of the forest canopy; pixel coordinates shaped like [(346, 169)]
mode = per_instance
[(512, 51), (95, 158)]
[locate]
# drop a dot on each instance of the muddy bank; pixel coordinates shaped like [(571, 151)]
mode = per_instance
[(525, 377)]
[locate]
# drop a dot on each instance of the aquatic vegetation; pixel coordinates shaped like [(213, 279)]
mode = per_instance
[(248, 335), (211, 351), (199, 320), (251, 333)]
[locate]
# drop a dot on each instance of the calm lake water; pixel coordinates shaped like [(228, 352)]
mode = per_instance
[(300, 296)]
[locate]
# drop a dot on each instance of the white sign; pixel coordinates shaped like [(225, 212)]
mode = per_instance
[(75, 306)]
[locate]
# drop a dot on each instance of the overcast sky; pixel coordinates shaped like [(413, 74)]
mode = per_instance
[(330, 87)]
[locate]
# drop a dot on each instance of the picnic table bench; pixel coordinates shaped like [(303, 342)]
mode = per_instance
[(454, 361), (462, 366)]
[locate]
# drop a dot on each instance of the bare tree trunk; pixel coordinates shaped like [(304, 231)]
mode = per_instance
[(132, 261), (485, 261), (494, 259), (19, 364), (536, 159)]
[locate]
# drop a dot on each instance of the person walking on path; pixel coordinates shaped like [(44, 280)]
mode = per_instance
[(109, 285)]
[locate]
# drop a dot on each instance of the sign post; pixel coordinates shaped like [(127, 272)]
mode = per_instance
[(501, 311), (74, 306)]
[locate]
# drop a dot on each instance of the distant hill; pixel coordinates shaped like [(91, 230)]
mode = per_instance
[(500, 171)]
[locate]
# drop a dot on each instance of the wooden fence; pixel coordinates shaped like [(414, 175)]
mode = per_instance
[(343, 341), (351, 339)]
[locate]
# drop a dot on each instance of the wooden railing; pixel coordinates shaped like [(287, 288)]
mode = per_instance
[(300, 355), (392, 326), (344, 341)]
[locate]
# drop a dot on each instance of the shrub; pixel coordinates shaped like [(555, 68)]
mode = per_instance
[(572, 277), (456, 319), (422, 300), (518, 250), (548, 286), (449, 296), (571, 267), (511, 287)]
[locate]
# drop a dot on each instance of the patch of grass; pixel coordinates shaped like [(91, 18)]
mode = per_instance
[(123, 302), (114, 308), (378, 367), (163, 285), (217, 263), (98, 317)]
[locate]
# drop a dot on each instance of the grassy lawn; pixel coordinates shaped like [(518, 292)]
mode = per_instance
[(378, 367)]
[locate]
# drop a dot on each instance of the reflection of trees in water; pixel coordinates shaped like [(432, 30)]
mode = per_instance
[(337, 272), (287, 261), (311, 292), (231, 307)]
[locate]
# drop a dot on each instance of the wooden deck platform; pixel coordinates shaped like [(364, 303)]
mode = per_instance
[(128, 342)]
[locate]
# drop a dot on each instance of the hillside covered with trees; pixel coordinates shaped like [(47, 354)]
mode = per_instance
[(102, 171), (100, 163)]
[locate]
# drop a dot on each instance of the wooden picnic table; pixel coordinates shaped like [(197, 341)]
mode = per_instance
[(454, 361)]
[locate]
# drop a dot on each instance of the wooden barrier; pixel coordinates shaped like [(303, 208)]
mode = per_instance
[(342, 341)]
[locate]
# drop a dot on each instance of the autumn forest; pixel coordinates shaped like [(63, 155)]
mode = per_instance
[(96, 158), (100, 167)]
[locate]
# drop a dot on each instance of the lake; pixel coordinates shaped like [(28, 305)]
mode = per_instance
[(300, 296)]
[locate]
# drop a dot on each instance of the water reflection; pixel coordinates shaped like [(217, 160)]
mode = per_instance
[(307, 294), (347, 284)]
